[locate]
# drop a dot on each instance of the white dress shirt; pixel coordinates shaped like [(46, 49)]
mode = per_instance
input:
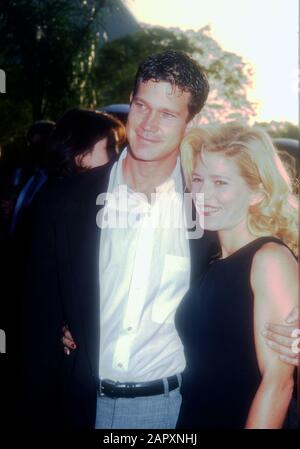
[(144, 271)]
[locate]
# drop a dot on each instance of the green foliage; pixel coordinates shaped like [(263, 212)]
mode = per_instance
[(117, 61), (281, 129), (45, 48), (229, 77), (55, 57)]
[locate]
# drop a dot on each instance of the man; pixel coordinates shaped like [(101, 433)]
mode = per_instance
[(118, 288)]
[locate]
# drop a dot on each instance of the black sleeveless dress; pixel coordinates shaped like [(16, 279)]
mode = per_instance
[(215, 324)]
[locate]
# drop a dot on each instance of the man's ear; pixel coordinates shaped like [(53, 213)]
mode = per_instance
[(130, 97), (193, 122)]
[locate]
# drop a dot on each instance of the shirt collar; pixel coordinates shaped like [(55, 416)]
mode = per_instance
[(173, 183)]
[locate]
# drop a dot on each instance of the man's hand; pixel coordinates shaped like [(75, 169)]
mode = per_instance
[(285, 339), (67, 341)]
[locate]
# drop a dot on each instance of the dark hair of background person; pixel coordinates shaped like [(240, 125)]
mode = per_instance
[(76, 133), (39, 132), (37, 138), (178, 69)]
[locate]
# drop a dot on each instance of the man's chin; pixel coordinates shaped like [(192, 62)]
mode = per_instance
[(142, 154)]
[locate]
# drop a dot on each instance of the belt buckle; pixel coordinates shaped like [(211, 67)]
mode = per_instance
[(100, 389)]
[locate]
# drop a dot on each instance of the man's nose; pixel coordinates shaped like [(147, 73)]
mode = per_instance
[(150, 122)]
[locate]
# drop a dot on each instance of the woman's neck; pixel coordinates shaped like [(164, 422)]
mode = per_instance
[(232, 240)]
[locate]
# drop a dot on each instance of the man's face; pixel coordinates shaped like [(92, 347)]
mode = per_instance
[(157, 121)]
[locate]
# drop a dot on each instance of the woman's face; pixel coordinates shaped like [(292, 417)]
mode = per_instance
[(96, 157), (227, 197)]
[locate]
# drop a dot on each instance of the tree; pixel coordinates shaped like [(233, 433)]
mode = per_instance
[(46, 51), (229, 76), (117, 61), (55, 56), (52, 44), (281, 129)]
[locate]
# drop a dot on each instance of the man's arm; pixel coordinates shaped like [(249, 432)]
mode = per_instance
[(285, 339)]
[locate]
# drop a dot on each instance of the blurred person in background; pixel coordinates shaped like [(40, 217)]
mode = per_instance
[(34, 172), (84, 139), (80, 141)]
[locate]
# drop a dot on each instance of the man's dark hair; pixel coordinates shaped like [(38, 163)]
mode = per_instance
[(178, 69)]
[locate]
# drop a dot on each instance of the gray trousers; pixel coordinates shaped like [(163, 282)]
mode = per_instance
[(146, 412)]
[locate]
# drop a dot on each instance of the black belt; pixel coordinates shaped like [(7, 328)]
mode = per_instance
[(134, 389)]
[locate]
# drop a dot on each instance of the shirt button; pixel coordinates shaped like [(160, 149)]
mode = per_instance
[(130, 328), (120, 365)]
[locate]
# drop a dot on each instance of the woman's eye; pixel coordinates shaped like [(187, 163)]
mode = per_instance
[(197, 180), (219, 182)]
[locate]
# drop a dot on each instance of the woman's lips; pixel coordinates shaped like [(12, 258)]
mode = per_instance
[(208, 210)]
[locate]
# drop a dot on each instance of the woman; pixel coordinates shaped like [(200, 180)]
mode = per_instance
[(84, 139), (232, 378)]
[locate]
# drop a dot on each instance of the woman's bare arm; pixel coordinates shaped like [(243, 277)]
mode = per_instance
[(274, 279)]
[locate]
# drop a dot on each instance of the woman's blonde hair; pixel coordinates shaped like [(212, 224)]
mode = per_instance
[(262, 169)]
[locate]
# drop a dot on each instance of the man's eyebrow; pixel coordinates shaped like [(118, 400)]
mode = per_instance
[(170, 111), (136, 97), (164, 109)]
